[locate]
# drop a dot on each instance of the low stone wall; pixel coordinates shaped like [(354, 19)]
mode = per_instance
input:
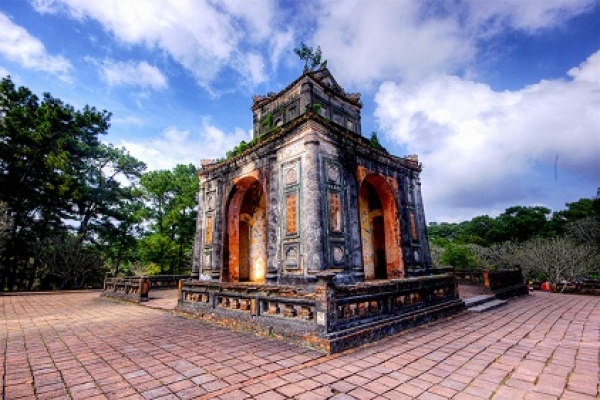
[(133, 288), (331, 318), (503, 283), (469, 277), (587, 286), (137, 288), (166, 281)]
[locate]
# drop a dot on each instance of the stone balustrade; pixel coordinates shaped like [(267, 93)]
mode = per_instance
[(332, 317), (502, 282), (137, 288), (133, 288)]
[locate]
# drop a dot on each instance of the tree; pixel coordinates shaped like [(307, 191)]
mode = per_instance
[(57, 177), (498, 255), (172, 199), (5, 224), (482, 230), (68, 263), (101, 197), (557, 259), (121, 230), (583, 208), (522, 223), (458, 256), (312, 59)]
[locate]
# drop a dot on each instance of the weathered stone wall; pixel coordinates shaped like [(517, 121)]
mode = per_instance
[(331, 318), (312, 177)]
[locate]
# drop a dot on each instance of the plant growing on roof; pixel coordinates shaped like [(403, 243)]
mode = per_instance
[(312, 58), (375, 142)]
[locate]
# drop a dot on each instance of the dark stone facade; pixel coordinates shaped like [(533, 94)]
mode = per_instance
[(311, 232), (310, 194)]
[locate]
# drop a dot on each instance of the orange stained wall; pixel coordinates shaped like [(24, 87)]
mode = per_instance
[(387, 191), (258, 227)]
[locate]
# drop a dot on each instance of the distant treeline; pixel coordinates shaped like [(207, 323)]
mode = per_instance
[(556, 246)]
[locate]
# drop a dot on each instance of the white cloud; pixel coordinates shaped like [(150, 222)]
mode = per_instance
[(529, 16), (205, 37), (3, 72), (367, 42), (17, 45), (478, 145), (180, 147), (128, 120), (254, 69), (279, 42), (133, 74)]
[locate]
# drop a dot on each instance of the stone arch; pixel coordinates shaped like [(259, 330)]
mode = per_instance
[(246, 232), (379, 229)]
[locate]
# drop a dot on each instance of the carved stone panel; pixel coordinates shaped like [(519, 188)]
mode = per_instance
[(207, 259), (335, 212), (210, 201), (291, 176), (208, 236), (291, 207), (333, 173), (337, 253), (291, 256), (413, 227)]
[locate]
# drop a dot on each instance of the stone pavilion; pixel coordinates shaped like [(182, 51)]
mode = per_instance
[(309, 194)]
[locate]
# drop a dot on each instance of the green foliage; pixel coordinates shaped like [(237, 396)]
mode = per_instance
[(171, 214), (312, 58), (316, 107), (522, 223), (68, 263), (458, 256), (243, 146), (375, 142), (160, 250), (5, 225), (564, 245), (55, 169), (268, 121), (153, 269)]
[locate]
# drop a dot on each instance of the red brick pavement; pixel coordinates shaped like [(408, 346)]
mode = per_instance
[(77, 345)]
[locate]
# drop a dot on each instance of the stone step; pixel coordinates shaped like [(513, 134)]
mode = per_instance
[(488, 305), (477, 300)]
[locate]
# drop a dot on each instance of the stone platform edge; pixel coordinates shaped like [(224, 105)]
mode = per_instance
[(332, 318)]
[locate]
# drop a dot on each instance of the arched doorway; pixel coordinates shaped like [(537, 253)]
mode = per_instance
[(380, 229), (246, 258)]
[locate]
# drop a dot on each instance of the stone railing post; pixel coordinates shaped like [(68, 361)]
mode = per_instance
[(180, 291), (311, 224), (144, 288), (485, 276), (107, 276), (325, 301)]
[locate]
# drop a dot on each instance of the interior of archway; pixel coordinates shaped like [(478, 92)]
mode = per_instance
[(380, 232), (247, 233)]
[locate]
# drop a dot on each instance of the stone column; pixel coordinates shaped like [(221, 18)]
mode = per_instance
[(425, 256), (311, 212), (197, 262), (217, 249), (273, 221), (353, 230)]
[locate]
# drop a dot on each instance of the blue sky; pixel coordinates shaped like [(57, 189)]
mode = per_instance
[(500, 99)]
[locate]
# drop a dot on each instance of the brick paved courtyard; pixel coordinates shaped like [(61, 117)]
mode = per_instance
[(79, 346)]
